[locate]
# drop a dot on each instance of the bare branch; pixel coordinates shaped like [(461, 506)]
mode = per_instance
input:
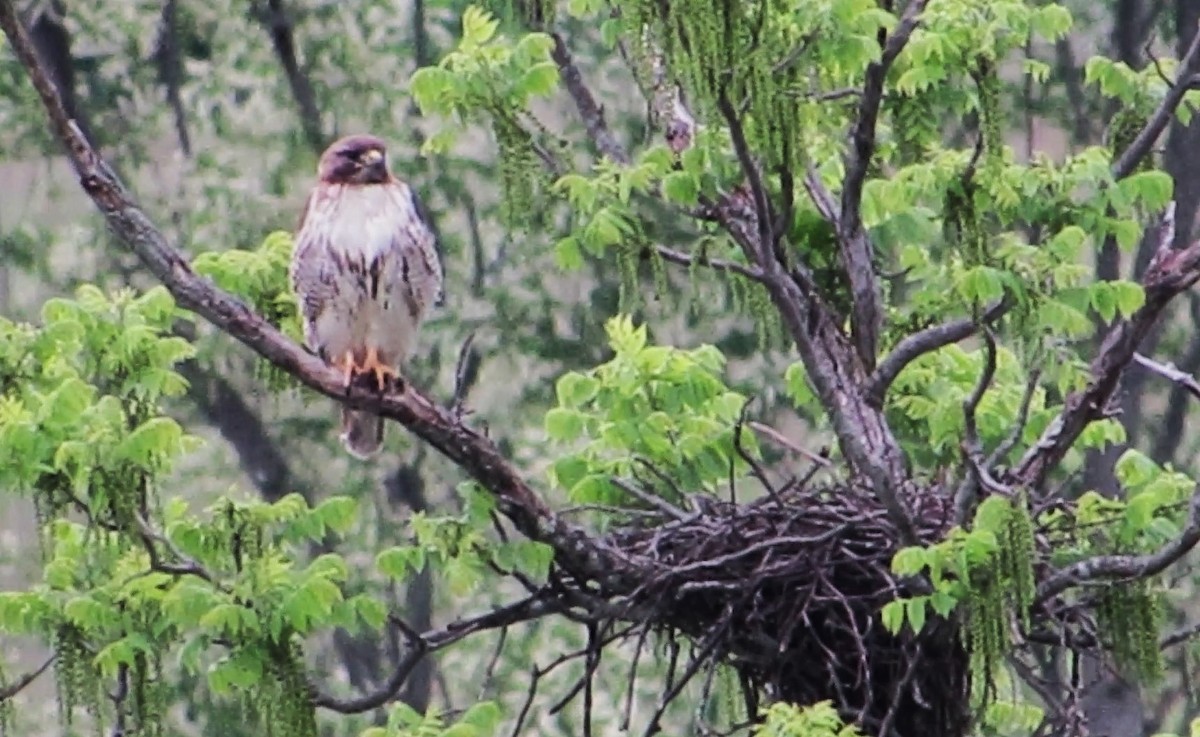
[(278, 24), (422, 644), (590, 111), (23, 682), (928, 340), (1014, 437), (678, 257), (1179, 636), (785, 442), (1116, 567), (758, 192), (1185, 381), (1189, 65), (170, 65), (1169, 273), (972, 447)]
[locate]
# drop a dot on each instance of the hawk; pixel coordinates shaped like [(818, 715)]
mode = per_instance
[(365, 269)]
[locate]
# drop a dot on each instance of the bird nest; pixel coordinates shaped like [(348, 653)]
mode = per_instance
[(789, 589)]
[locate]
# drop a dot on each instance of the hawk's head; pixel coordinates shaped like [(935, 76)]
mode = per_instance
[(358, 159)]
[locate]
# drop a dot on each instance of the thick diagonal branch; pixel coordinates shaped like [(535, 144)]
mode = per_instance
[(463, 445), (1169, 273)]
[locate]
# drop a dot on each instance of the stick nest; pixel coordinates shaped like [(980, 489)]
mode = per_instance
[(789, 589)]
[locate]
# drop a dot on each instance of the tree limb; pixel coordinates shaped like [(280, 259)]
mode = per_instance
[(928, 340), (590, 112), (422, 644), (1185, 381), (23, 682), (856, 249), (1170, 272), (1189, 65), (278, 24), (1112, 567), (463, 445)]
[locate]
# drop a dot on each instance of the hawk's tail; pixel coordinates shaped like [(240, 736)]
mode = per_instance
[(362, 433)]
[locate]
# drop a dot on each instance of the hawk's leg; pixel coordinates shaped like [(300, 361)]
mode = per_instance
[(386, 378), (348, 367)]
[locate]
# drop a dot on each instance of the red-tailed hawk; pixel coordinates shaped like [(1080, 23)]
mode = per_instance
[(365, 270)]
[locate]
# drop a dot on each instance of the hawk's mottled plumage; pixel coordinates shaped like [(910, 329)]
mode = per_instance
[(365, 270)]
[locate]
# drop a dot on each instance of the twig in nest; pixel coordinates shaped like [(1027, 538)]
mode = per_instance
[(782, 440), (657, 502), (755, 467)]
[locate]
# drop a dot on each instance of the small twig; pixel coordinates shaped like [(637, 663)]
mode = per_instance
[(1179, 636), (23, 682), (755, 467), (979, 475), (466, 371), (787, 443), (1005, 447), (654, 501), (683, 259), (1185, 381)]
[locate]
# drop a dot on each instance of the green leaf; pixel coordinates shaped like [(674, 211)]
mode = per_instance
[(563, 425), (943, 603), (893, 616), (567, 254), (915, 608), (478, 26), (681, 187), (540, 80), (575, 389), (1153, 187), (1129, 296), (909, 561), (483, 716)]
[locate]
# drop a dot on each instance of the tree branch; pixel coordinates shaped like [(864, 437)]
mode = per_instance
[(23, 682), (1111, 567), (463, 445), (1189, 65), (422, 644), (928, 340), (856, 249), (1170, 272), (279, 26), (1185, 381), (590, 112)]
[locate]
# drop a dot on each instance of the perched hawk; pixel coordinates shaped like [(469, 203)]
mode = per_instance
[(365, 270)]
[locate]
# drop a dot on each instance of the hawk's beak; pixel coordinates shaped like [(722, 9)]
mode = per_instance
[(374, 167)]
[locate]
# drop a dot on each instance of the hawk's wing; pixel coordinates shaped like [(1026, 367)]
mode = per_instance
[(431, 248), (312, 275)]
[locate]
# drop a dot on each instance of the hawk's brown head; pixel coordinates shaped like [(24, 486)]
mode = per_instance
[(357, 159)]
